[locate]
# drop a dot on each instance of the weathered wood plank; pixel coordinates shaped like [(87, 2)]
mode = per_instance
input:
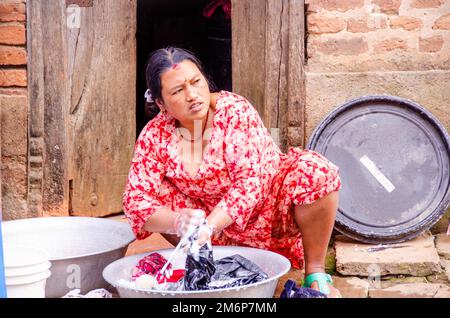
[(48, 187), (248, 29), (268, 49), (296, 89), (36, 107), (102, 106), (273, 57), (276, 88)]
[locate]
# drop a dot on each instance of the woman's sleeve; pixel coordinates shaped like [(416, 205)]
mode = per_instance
[(144, 179), (252, 160)]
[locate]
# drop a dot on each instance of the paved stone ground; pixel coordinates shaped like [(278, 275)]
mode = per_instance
[(419, 268), (414, 269)]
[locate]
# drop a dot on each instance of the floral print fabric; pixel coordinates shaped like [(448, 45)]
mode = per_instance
[(243, 171)]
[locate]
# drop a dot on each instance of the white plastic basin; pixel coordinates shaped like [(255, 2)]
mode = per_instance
[(26, 271), (27, 286)]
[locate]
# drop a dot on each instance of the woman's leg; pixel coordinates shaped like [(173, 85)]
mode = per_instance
[(316, 221), (311, 183)]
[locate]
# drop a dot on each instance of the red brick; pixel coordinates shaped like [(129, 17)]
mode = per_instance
[(353, 46), (425, 4), (366, 24), (390, 45), (12, 34), (334, 5), (387, 6), (319, 24), (13, 77), (407, 23), (443, 23), (11, 55), (12, 12), (431, 44)]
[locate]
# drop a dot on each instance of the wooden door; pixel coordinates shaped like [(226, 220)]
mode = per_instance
[(83, 74), (268, 63)]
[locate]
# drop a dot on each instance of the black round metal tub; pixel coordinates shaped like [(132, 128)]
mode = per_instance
[(394, 164)]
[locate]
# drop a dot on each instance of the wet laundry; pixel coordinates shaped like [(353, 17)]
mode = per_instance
[(151, 265), (203, 273), (291, 290)]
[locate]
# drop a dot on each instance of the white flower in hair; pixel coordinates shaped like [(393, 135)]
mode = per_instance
[(148, 96)]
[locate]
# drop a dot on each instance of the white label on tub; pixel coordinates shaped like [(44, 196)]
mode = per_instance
[(381, 178)]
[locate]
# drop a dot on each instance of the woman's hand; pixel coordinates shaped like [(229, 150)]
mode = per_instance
[(204, 234), (187, 220)]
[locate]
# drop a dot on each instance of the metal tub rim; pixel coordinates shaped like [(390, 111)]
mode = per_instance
[(118, 224)]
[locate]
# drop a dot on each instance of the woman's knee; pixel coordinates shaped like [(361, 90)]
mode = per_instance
[(317, 177)]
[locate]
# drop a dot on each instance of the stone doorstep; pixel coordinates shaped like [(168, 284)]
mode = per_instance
[(390, 281), (443, 245), (444, 276), (413, 290), (351, 287), (417, 257)]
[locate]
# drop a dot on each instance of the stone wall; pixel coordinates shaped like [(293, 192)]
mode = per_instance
[(378, 35), (368, 47), (13, 108)]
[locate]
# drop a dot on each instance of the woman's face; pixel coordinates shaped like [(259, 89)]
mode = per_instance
[(185, 93)]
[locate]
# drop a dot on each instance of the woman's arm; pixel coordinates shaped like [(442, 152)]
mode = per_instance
[(162, 221), (218, 220)]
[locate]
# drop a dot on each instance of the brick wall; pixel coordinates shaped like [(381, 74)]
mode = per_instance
[(13, 107), (367, 47), (374, 35)]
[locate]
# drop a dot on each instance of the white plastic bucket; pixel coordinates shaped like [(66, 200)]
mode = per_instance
[(26, 271), (27, 286)]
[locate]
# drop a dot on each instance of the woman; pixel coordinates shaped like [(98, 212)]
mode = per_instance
[(209, 155)]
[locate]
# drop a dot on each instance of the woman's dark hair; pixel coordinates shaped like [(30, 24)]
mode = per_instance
[(162, 60)]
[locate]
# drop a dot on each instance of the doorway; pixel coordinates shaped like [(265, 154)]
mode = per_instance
[(181, 23)]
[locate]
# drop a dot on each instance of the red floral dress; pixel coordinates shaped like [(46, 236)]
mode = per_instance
[(243, 172)]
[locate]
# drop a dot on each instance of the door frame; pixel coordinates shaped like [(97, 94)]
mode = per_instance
[(262, 30), (48, 188)]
